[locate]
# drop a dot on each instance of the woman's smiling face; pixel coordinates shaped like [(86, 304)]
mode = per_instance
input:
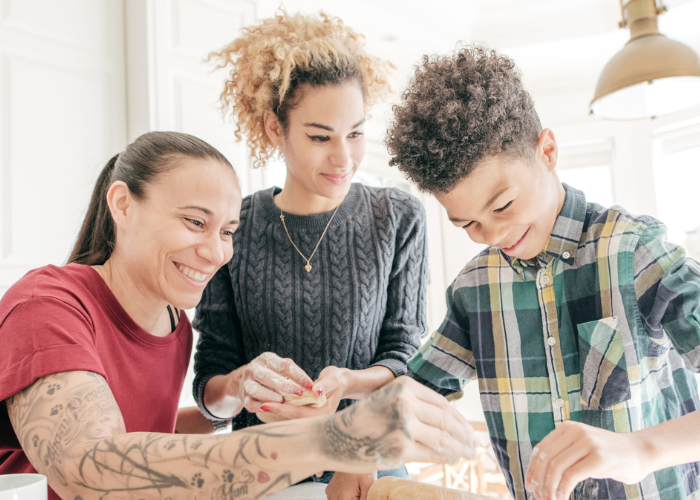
[(323, 142), (180, 234)]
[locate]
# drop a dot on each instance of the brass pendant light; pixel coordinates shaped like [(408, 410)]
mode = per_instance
[(652, 75)]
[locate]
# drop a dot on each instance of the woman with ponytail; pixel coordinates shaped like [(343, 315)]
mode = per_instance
[(94, 354)]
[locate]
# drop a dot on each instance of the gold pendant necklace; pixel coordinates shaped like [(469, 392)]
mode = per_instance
[(308, 261)]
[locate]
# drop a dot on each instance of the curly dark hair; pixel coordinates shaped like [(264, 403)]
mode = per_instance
[(458, 110)]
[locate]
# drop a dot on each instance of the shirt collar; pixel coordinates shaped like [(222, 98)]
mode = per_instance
[(566, 233)]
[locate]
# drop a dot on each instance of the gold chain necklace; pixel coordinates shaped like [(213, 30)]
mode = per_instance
[(308, 261)]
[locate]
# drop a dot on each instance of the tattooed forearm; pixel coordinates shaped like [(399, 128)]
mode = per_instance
[(71, 429), (216, 467)]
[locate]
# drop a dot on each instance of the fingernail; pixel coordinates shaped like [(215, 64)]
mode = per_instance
[(319, 391), (309, 386), (298, 392), (265, 408)]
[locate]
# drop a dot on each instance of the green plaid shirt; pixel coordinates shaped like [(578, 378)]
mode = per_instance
[(602, 329)]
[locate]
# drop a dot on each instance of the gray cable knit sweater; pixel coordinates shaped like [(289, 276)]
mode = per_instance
[(363, 304)]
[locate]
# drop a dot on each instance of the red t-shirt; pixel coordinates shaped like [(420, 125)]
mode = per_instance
[(58, 319)]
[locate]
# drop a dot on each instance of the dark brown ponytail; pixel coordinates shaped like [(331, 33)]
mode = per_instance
[(150, 155)]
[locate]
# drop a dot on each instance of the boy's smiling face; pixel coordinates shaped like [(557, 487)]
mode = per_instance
[(510, 203)]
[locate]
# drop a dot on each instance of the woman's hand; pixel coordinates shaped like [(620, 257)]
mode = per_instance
[(575, 452), (403, 421), (344, 486), (268, 378), (333, 382)]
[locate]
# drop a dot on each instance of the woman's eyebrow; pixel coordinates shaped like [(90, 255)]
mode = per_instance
[(331, 129), (206, 211), (318, 125), (195, 207)]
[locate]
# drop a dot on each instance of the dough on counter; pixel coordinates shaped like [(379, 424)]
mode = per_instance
[(394, 488), (306, 399)]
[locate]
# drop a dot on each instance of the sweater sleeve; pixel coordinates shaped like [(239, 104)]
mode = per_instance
[(405, 320), (220, 346)]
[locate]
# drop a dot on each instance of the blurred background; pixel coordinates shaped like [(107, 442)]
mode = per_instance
[(79, 79)]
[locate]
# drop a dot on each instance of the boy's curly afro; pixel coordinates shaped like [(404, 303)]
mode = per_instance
[(457, 111)]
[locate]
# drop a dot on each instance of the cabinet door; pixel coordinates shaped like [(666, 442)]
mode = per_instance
[(171, 84), (62, 115)]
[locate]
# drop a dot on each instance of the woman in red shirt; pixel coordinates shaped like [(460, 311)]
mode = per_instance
[(94, 354)]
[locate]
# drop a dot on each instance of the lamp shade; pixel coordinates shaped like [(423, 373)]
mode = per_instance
[(651, 76)]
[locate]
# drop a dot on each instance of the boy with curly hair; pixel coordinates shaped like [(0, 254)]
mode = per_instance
[(580, 322)]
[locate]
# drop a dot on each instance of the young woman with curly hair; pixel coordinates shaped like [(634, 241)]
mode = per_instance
[(325, 296)]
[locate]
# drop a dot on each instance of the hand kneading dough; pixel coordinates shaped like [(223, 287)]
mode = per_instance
[(306, 399)]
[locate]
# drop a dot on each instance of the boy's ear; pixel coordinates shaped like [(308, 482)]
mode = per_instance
[(547, 149), (273, 127)]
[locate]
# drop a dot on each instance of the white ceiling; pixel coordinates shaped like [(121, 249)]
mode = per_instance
[(560, 45)]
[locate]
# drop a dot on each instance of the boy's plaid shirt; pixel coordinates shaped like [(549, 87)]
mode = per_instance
[(600, 330)]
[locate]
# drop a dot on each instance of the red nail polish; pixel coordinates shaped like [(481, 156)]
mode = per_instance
[(319, 391), (309, 386), (298, 392), (265, 408)]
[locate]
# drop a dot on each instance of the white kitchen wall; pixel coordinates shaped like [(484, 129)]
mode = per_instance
[(81, 78), (62, 115)]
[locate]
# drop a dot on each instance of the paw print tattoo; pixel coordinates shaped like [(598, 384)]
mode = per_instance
[(170, 445), (53, 388), (227, 476), (196, 445), (55, 410), (35, 440), (197, 480)]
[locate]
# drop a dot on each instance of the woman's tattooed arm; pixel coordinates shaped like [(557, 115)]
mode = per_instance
[(71, 429)]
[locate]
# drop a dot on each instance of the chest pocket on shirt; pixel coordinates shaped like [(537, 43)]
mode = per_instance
[(604, 379)]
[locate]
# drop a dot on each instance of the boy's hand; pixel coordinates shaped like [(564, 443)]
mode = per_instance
[(575, 452), (346, 486)]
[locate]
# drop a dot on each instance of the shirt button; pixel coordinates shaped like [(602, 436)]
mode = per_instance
[(545, 280), (552, 341), (559, 402), (566, 255)]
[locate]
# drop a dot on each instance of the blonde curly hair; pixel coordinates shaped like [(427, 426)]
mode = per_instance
[(272, 60)]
